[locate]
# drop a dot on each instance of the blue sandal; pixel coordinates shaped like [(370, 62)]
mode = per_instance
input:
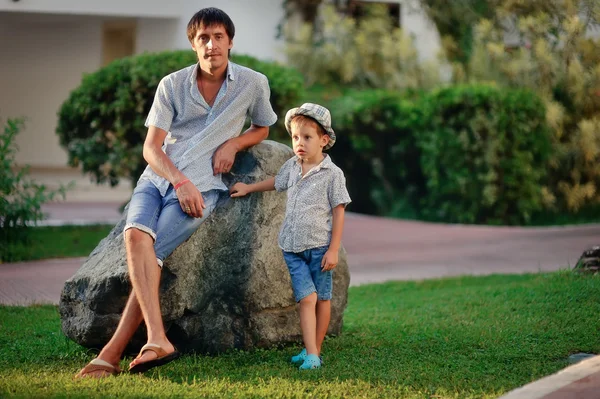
[(311, 362), (299, 358)]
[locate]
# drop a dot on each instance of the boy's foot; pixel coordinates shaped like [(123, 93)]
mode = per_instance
[(299, 358), (311, 362)]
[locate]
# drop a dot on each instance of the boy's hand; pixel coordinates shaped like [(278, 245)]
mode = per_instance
[(329, 261), (238, 190)]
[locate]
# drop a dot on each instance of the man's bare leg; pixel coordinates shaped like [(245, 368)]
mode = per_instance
[(144, 273), (128, 325)]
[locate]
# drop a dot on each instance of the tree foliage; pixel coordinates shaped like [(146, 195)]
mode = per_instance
[(368, 53), (549, 47)]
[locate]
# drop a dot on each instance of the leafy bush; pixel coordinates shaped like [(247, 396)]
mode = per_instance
[(553, 53), (376, 147), (468, 154), (101, 124), (484, 155), (20, 197)]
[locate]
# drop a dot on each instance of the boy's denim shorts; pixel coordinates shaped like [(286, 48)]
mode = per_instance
[(307, 276), (162, 217)]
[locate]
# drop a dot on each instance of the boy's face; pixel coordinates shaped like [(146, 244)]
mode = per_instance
[(308, 146), (212, 46)]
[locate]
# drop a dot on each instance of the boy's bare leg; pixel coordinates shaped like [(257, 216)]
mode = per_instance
[(144, 273), (308, 323), (323, 318)]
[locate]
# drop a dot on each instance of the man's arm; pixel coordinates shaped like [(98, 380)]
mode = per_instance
[(190, 199), (160, 163), (330, 259), (225, 154)]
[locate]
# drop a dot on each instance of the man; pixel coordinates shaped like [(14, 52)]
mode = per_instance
[(193, 137)]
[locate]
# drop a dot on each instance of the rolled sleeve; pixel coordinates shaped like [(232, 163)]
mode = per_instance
[(338, 194), (261, 111), (282, 178), (162, 112)]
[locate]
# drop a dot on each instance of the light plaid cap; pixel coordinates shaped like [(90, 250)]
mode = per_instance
[(318, 113)]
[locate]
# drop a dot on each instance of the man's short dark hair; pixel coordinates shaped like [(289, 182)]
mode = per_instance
[(208, 17)]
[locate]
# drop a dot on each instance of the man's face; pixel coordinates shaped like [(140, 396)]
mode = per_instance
[(212, 46)]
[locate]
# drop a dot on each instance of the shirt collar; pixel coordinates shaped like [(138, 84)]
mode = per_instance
[(230, 72), (194, 86), (325, 163)]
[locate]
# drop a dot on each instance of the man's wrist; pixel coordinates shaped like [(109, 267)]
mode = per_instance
[(180, 183), (234, 143)]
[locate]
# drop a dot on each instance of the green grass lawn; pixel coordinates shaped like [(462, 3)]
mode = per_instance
[(472, 337), (55, 242)]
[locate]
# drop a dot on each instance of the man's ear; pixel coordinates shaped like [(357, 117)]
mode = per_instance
[(230, 44)]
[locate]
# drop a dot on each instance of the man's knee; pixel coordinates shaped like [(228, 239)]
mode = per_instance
[(135, 238)]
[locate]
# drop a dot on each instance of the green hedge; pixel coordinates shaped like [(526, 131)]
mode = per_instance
[(484, 155), (101, 124), (466, 154), (377, 150)]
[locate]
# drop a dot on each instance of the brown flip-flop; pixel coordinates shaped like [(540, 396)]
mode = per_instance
[(98, 365), (162, 358)]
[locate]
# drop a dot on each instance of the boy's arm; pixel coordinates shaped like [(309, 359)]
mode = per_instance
[(225, 154), (241, 189), (330, 259)]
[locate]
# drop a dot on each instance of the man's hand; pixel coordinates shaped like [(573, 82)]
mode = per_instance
[(224, 157), (239, 190), (190, 200), (330, 260)]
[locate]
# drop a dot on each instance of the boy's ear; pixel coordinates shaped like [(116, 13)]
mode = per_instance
[(324, 140)]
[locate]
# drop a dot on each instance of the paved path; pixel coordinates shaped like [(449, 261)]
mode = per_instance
[(378, 250)]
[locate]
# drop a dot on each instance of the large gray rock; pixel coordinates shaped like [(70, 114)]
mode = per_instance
[(226, 287)]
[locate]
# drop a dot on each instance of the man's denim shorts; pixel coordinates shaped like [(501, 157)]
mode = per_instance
[(162, 217), (307, 276)]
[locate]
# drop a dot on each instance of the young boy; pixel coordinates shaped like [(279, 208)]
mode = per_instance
[(312, 229)]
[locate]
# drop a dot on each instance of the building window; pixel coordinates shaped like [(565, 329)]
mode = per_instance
[(118, 40)]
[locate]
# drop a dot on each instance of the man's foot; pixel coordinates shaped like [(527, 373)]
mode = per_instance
[(152, 355), (98, 368)]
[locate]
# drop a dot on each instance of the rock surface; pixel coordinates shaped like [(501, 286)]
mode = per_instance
[(226, 287), (589, 261)]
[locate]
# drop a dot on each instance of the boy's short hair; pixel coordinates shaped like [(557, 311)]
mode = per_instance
[(302, 120), (210, 16)]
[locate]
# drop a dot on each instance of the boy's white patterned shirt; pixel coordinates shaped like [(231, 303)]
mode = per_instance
[(196, 130), (310, 201)]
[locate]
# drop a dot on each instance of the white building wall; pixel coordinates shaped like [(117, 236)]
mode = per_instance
[(37, 72), (120, 8)]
